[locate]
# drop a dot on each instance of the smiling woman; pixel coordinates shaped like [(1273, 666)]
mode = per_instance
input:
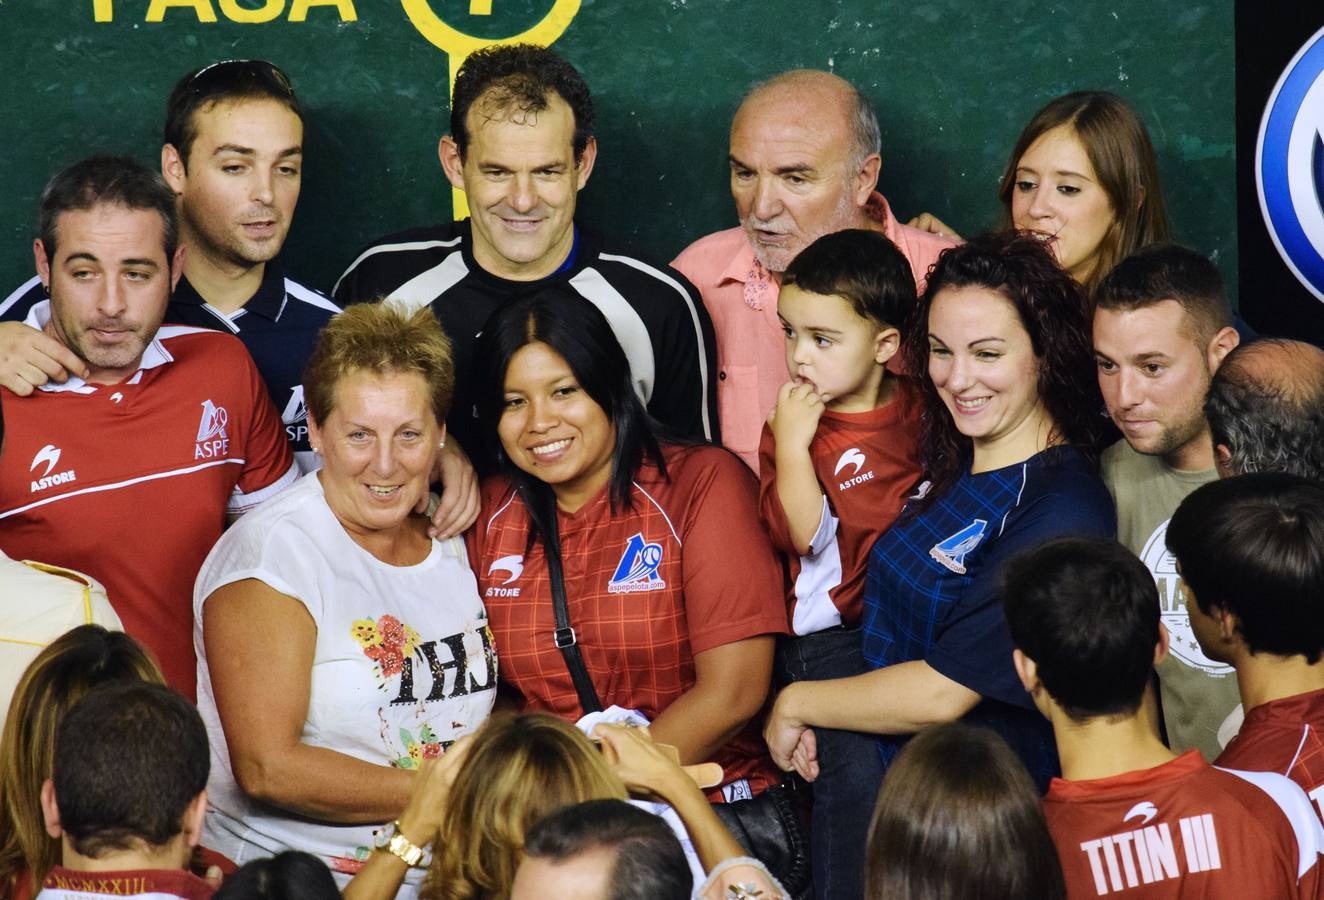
[(339, 646), (1013, 420), (671, 590), (1082, 176)]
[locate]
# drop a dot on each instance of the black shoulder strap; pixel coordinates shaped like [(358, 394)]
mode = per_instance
[(564, 636)]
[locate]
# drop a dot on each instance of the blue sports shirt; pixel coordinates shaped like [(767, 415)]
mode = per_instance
[(931, 591)]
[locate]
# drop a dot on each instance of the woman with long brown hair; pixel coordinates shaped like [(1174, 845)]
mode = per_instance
[(959, 817), (1084, 177), (1012, 427)]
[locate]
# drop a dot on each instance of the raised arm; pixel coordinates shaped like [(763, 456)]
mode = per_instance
[(793, 421), (384, 872), (646, 769), (260, 646)]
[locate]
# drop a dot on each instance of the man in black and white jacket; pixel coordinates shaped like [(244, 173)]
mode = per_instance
[(521, 147)]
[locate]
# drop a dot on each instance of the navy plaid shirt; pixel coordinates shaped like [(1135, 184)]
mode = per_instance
[(931, 592)]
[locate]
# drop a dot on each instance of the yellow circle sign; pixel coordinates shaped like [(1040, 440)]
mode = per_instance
[(456, 43)]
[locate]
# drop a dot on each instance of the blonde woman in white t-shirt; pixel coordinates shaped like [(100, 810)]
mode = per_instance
[(339, 645)]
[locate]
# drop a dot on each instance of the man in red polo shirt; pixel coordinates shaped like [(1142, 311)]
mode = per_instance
[(128, 474)]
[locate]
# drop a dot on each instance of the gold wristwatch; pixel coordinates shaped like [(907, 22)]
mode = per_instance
[(389, 838)]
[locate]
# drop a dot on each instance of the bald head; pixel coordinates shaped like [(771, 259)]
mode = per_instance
[(1266, 409), (804, 162), (826, 100)]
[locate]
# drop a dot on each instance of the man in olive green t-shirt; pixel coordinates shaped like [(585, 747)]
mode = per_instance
[(1161, 329)]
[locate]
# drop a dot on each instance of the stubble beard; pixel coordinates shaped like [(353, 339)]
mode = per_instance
[(844, 215), (1176, 436), (81, 343), (225, 247)]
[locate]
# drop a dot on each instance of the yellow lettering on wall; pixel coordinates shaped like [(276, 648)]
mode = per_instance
[(202, 8), (236, 13), (299, 9), (480, 7), (102, 11)]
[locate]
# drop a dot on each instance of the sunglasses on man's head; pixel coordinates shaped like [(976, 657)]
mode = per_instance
[(223, 75)]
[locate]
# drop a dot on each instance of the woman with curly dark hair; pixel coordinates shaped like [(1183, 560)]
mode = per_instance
[(1013, 422)]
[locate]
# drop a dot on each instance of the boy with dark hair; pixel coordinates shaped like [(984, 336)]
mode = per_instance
[(838, 457), (1128, 814), (128, 795), (1251, 551)]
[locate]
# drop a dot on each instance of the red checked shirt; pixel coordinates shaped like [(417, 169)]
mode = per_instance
[(867, 464), (1185, 829), (1284, 736), (688, 569)]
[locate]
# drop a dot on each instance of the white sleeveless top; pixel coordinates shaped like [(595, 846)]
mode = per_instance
[(404, 663)]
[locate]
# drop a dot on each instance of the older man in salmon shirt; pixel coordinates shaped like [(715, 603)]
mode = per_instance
[(804, 163)]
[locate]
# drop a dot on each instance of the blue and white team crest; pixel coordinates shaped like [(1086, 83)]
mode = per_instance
[(1289, 165), (295, 410), (637, 570), (952, 551)]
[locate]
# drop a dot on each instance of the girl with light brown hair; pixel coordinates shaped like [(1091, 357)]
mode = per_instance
[(1083, 176)]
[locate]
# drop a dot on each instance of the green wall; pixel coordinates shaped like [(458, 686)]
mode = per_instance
[(953, 81)]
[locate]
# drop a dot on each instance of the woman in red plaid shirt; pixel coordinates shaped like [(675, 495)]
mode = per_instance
[(673, 590)]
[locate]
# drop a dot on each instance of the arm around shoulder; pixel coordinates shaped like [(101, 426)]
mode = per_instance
[(29, 358)]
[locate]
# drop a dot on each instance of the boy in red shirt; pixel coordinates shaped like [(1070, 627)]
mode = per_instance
[(127, 796), (838, 458), (1251, 552), (1129, 816)]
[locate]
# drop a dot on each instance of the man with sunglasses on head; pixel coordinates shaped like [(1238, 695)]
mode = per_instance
[(233, 154)]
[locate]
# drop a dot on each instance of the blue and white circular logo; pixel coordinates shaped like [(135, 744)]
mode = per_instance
[(1289, 165)]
